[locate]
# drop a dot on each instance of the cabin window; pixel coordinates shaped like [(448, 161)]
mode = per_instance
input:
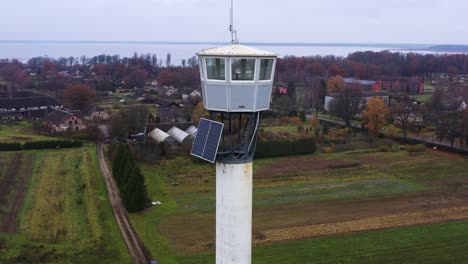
[(243, 69), (76, 122), (216, 69), (70, 122), (266, 66)]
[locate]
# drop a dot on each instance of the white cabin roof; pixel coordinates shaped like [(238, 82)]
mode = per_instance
[(178, 134), (236, 50), (158, 135)]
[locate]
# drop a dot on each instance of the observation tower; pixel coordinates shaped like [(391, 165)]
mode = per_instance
[(236, 85)]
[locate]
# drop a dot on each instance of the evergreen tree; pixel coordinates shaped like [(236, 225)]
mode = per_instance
[(129, 178)]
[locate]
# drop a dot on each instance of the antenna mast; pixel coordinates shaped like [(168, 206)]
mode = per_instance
[(231, 26)]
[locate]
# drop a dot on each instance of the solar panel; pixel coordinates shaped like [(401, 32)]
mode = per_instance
[(207, 139)]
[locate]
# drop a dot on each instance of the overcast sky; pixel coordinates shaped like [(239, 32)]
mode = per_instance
[(343, 21)]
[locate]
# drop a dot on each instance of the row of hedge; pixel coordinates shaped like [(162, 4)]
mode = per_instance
[(285, 148), (129, 178), (46, 144)]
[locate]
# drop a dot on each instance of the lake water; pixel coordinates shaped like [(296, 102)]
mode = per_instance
[(24, 50)]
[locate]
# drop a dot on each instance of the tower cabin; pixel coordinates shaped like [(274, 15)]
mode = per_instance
[(236, 78)]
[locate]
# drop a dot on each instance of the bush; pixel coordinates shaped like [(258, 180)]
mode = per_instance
[(52, 144), (285, 148), (327, 150), (383, 148), (295, 120), (46, 144)]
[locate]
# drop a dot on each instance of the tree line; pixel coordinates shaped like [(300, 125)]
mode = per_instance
[(106, 72), (443, 114), (369, 65)]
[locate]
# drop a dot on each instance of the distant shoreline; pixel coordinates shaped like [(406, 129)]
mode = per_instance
[(462, 48), (24, 50), (318, 44)]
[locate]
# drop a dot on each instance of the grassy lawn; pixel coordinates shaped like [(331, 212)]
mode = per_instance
[(181, 230), (20, 132), (331, 117), (424, 98), (66, 217)]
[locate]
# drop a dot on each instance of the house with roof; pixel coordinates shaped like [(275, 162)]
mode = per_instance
[(171, 91), (94, 112), (26, 105), (195, 93), (62, 120), (455, 104), (168, 111)]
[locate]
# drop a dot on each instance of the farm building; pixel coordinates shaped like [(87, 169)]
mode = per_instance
[(61, 120), (26, 105)]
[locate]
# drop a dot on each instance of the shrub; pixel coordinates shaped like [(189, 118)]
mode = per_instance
[(327, 150), (284, 120), (295, 120), (383, 148), (52, 144), (339, 132), (300, 129), (302, 116)]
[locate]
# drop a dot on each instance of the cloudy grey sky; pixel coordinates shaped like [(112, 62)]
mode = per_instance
[(344, 21)]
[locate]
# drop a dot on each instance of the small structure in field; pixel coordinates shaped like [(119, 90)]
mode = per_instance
[(178, 134), (160, 136), (192, 130)]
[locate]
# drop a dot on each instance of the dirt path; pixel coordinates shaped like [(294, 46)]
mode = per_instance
[(16, 182), (119, 211)]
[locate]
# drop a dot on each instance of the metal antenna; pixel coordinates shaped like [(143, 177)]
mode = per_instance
[(231, 26)]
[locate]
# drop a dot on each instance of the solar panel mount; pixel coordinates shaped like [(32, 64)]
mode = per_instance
[(207, 139)]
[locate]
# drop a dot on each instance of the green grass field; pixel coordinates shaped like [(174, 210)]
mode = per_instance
[(436, 243), (20, 132), (181, 230), (66, 217)]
